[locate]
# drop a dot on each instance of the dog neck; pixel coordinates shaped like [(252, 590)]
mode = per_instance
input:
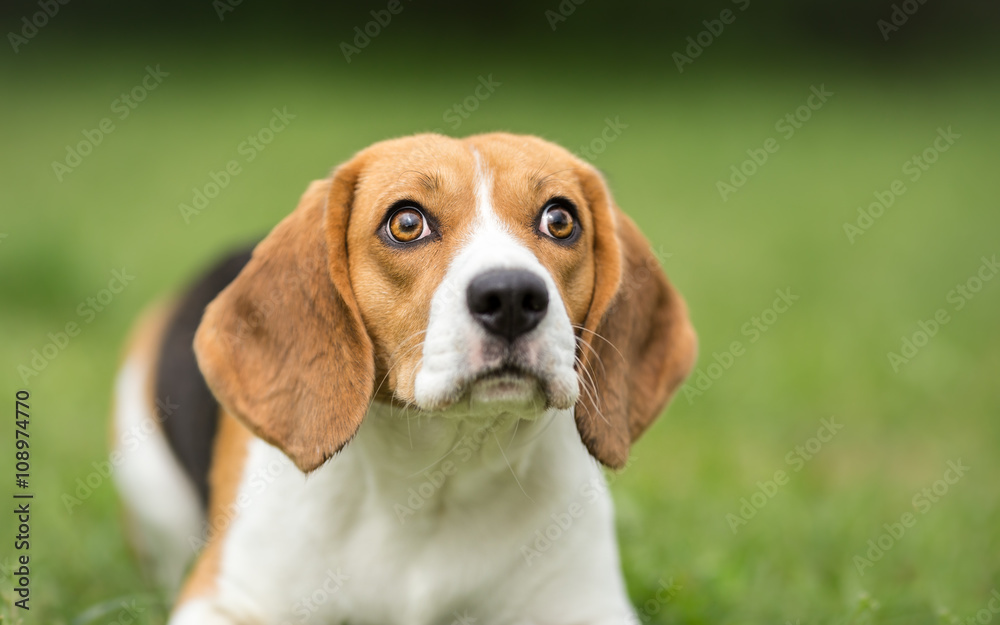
[(451, 457)]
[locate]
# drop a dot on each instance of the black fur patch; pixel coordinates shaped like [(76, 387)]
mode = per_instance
[(187, 410)]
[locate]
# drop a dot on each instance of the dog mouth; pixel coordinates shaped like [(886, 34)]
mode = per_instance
[(506, 383)]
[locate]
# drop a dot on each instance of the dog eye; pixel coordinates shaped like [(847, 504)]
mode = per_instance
[(557, 222), (407, 225)]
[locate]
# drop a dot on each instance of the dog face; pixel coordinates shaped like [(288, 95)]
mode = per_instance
[(475, 260), (459, 277)]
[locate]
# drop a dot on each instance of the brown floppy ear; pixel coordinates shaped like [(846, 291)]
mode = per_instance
[(638, 345), (283, 347)]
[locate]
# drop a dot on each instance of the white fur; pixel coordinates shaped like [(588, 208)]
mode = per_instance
[(454, 342), (489, 510), (464, 540), (161, 502)]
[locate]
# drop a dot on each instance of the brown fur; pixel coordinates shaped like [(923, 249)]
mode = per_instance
[(283, 347), (326, 316), (230, 453), (398, 170), (639, 342)]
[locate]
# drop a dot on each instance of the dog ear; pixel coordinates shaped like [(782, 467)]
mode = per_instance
[(638, 345), (283, 347)]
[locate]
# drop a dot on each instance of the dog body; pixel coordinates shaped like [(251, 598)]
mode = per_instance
[(414, 372), (326, 547)]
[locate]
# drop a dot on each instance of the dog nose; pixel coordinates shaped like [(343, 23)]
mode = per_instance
[(508, 302)]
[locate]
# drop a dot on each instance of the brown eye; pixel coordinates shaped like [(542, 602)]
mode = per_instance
[(557, 222), (407, 225)]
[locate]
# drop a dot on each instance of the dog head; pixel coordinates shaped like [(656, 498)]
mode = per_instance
[(488, 274)]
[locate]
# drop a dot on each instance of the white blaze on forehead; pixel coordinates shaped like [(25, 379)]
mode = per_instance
[(454, 341), (485, 213)]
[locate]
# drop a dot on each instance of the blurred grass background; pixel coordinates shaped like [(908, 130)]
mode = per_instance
[(793, 562)]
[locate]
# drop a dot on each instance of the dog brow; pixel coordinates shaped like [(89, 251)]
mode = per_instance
[(539, 182), (430, 182)]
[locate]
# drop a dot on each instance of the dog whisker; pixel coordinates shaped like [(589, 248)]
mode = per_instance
[(396, 358), (598, 335), (500, 447)]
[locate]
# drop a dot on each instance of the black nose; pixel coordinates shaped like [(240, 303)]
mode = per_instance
[(508, 302)]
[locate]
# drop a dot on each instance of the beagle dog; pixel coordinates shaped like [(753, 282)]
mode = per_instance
[(396, 408)]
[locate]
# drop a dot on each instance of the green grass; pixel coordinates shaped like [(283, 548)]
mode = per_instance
[(825, 357)]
